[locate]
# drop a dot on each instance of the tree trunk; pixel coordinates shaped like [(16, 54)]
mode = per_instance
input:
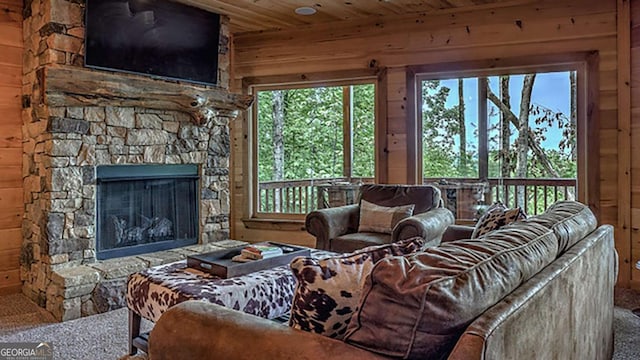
[(523, 125), (505, 131), (574, 110), (523, 132), (538, 152), (278, 141), (462, 165)]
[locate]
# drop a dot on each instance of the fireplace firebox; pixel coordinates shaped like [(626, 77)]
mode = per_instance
[(145, 208)]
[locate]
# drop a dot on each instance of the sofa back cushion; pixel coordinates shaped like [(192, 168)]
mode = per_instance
[(328, 290), (569, 220), (417, 306), (424, 197)]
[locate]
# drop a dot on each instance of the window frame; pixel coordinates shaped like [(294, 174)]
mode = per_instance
[(588, 147), (255, 219)]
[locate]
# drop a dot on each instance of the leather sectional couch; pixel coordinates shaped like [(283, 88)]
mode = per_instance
[(541, 288)]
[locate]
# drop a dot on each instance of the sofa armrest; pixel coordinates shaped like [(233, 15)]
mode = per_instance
[(201, 330), (457, 232), (326, 224), (429, 226)]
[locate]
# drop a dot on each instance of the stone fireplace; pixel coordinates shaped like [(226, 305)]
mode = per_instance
[(80, 125)]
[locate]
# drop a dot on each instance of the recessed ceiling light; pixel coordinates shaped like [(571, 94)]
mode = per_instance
[(305, 10)]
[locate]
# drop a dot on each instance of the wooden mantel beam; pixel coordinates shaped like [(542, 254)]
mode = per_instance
[(76, 86)]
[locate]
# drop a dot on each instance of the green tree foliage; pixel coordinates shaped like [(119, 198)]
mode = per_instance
[(440, 126), (363, 130), (313, 133), (441, 132)]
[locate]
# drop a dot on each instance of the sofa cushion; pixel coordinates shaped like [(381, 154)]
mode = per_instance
[(328, 290), (351, 242), (382, 219), (569, 220), (424, 197), (496, 217), (417, 306)]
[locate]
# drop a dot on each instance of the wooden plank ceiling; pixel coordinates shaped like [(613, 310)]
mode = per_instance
[(260, 15)]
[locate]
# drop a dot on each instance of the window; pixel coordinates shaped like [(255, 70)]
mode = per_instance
[(514, 132), (307, 136)]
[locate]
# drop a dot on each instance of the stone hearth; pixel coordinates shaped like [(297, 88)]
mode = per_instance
[(64, 144)]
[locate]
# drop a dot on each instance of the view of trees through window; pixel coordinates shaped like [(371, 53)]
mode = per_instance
[(301, 139), (527, 121)]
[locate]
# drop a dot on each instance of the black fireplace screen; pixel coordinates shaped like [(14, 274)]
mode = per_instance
[(145, 208)]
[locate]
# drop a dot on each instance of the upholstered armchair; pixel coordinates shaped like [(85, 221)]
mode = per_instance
[(337, 229)]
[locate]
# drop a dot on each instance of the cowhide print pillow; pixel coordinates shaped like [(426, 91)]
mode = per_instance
[(328, 290), (496, 217)]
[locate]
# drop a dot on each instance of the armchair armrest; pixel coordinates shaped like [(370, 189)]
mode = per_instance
[(201, 330), (457, 232), (429, 225), (326, 224)]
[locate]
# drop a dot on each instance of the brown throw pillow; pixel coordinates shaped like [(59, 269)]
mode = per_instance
[(496, 217), (328, 290), (381, 219)]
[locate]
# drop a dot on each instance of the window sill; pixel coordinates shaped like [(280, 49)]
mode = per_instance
[(274, 224)]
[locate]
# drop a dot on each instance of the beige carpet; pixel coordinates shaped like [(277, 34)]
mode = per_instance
[(19, 313), (104, 336)]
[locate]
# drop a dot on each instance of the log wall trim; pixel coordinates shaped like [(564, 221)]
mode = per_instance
[(623, 235), (75, 86)]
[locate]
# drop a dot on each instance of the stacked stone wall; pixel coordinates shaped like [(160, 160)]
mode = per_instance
[(64, 145)]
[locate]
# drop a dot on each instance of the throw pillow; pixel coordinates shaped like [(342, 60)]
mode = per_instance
[(328, 290), (496, 217), (381, 219)]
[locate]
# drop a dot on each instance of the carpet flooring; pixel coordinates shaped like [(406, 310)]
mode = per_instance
[(104, 336)]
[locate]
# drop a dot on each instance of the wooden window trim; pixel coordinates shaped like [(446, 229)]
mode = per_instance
[(586, 65), (284, 221)]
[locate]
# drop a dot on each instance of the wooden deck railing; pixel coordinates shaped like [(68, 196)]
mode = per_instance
[(297, 196), (532, 195), (301, 196), (294, 196)]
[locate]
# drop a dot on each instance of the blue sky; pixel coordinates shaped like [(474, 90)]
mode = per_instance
[(551, 90)]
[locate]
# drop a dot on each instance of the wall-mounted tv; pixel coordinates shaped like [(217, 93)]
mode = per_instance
[(154, 37)]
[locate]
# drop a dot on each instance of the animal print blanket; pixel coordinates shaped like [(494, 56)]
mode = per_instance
[(267, 293)]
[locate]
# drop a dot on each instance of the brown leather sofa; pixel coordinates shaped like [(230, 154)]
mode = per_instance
[(336, 229), (563, 311)]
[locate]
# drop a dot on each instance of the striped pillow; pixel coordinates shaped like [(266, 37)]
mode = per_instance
[(381, 219)]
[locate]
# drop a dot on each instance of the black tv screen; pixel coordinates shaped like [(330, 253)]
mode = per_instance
[(154, 37)]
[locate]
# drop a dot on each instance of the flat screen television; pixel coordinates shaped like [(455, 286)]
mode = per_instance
[(160, 38)]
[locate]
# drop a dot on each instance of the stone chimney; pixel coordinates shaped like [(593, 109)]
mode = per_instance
[(69, 130)]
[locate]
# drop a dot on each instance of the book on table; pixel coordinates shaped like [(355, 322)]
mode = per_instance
[(260, 251)]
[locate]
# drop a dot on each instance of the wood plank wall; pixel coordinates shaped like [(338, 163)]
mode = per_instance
[(534, 28), (635, 143), (11, 204)]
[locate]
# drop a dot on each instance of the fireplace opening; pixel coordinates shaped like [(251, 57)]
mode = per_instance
[(145, 208)]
